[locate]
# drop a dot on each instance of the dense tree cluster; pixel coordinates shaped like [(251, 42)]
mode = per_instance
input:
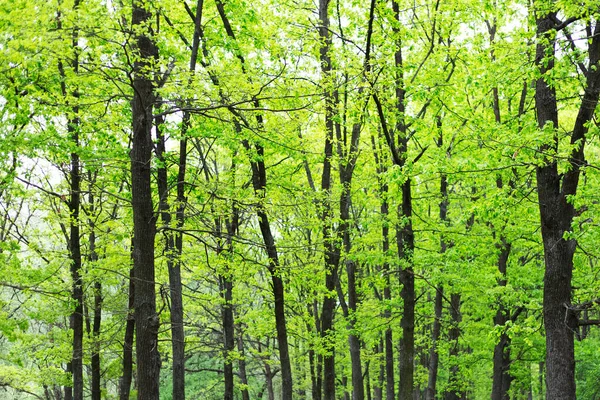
[(318, 200)]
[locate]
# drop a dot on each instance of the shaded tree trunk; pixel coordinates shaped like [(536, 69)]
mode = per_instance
[(144, 223), (125, 380), (556, 209), (454, 389), (175, 286), (97, 319), (74, 204), (242, 365), (434, 357), (501, 378)]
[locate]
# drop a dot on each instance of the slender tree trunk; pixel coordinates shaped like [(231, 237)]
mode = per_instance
[(501, 378), (331, 258), (97, 320), (388, 342), (144, 223), (358, 389), (315, 359), (226, 288), (405, 240), (454, 389), (378, 390), (404, 232), (175, 286), (75, 251), (68, 388), (259, 182), (74, 244), (96, 371), (242, 365), (434, 357), (125, 381), (269, 381)]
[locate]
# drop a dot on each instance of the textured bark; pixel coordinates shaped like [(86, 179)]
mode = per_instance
[(144, 223), (75, 254), (404, 232), (501, 378), (556, 211), (125, 380), (331, 258)]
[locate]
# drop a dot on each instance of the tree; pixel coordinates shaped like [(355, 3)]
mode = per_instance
[(144, 223)]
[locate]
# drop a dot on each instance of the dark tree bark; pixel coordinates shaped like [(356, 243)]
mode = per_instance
[(74, 242), (378, 389), (454, 389), (228, 332), (434, 357), (501, 378), (331, 258), (242, 365), (404, 233), (226, 290), (332, 237), (388, 342), (175, 286), (556, 210), (75, 253), (259, 182), (97, 319), (125, 380), (315, 360), (144, 222), (174, 242)]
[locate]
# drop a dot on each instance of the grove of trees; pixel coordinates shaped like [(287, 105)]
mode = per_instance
[(327, 199)]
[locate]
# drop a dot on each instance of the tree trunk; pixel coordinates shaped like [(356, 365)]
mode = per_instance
[(175, 286), (75, 252), (556, 208), (454, 390), (97, 320), (144, 223), (125, 381), (434, 356), (242, 365), (331, 259), (388, 342), (228, 335), (259, 182), (74, 204), (502, 379)]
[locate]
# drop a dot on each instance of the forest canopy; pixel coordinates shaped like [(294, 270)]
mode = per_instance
[(323, 200)]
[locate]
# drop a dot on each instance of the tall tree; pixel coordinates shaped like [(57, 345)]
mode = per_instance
[(556, 191), (144, 223)]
